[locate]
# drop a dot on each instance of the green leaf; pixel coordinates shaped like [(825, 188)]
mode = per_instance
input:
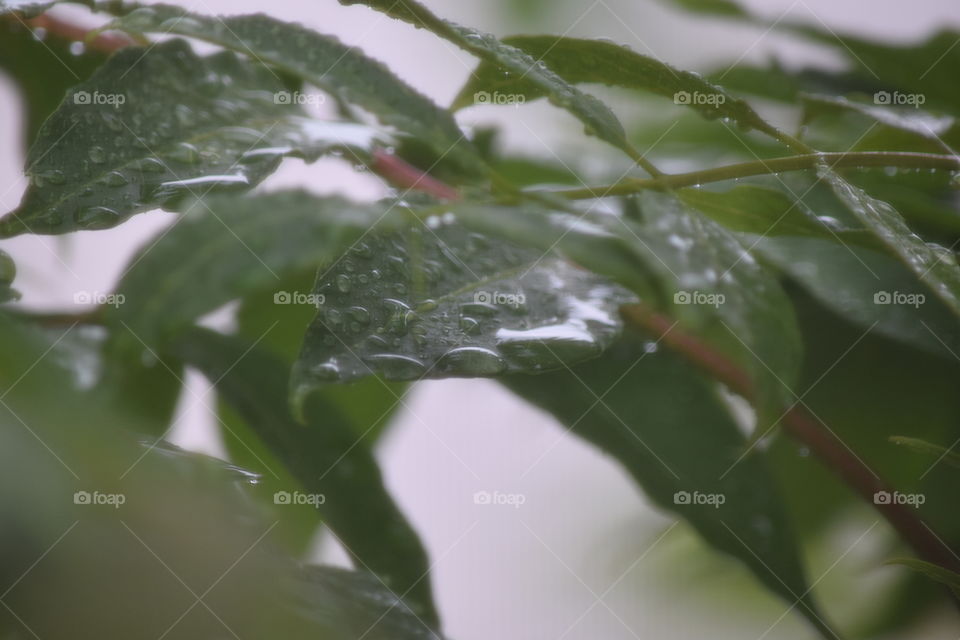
[(884, 128), (438, 301), (768, 212), (933, 265), (322, 61), (153, 127), (43, 70), (868, 288), (681, 262), (581, 61), (325, 454), (225, 247), (932, 571), (667, 426), (504, 58), (357, 604), (922, 446)]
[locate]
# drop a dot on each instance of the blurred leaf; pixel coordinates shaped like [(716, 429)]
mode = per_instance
[(579, 61), (151, 127), (225, 247), (438, 301), (933, 265), (596, 116), (322, 61), (922, 446), (932, 571), (43, 69), (667, 426), (325, 454), (124, 538)]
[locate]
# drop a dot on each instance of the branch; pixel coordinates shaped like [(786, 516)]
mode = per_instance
[(859, 159), (806, 429)]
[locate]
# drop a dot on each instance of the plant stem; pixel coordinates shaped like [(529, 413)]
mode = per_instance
[(801, 425), (862, 159)]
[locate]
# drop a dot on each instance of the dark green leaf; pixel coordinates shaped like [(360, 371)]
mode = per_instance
[(868, 288), (439, 301), (933, 265), (596, 116), (667, 426), (325, 454), (225, 247), (594, 61), (322, 61), (152, 127)]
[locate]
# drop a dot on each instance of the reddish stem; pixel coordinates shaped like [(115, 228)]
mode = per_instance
[(400, 173)]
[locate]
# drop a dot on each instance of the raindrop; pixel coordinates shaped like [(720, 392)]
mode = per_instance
[(97, 155)]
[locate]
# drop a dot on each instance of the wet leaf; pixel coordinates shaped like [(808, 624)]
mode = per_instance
[(933, 265), (357, 604), (666, 425), (502, 58), (866, 287), (769, 212), (438, 301), (323, 61), (152, 127), (225, 247), (681, 262), (325, 454), (580, 61)]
